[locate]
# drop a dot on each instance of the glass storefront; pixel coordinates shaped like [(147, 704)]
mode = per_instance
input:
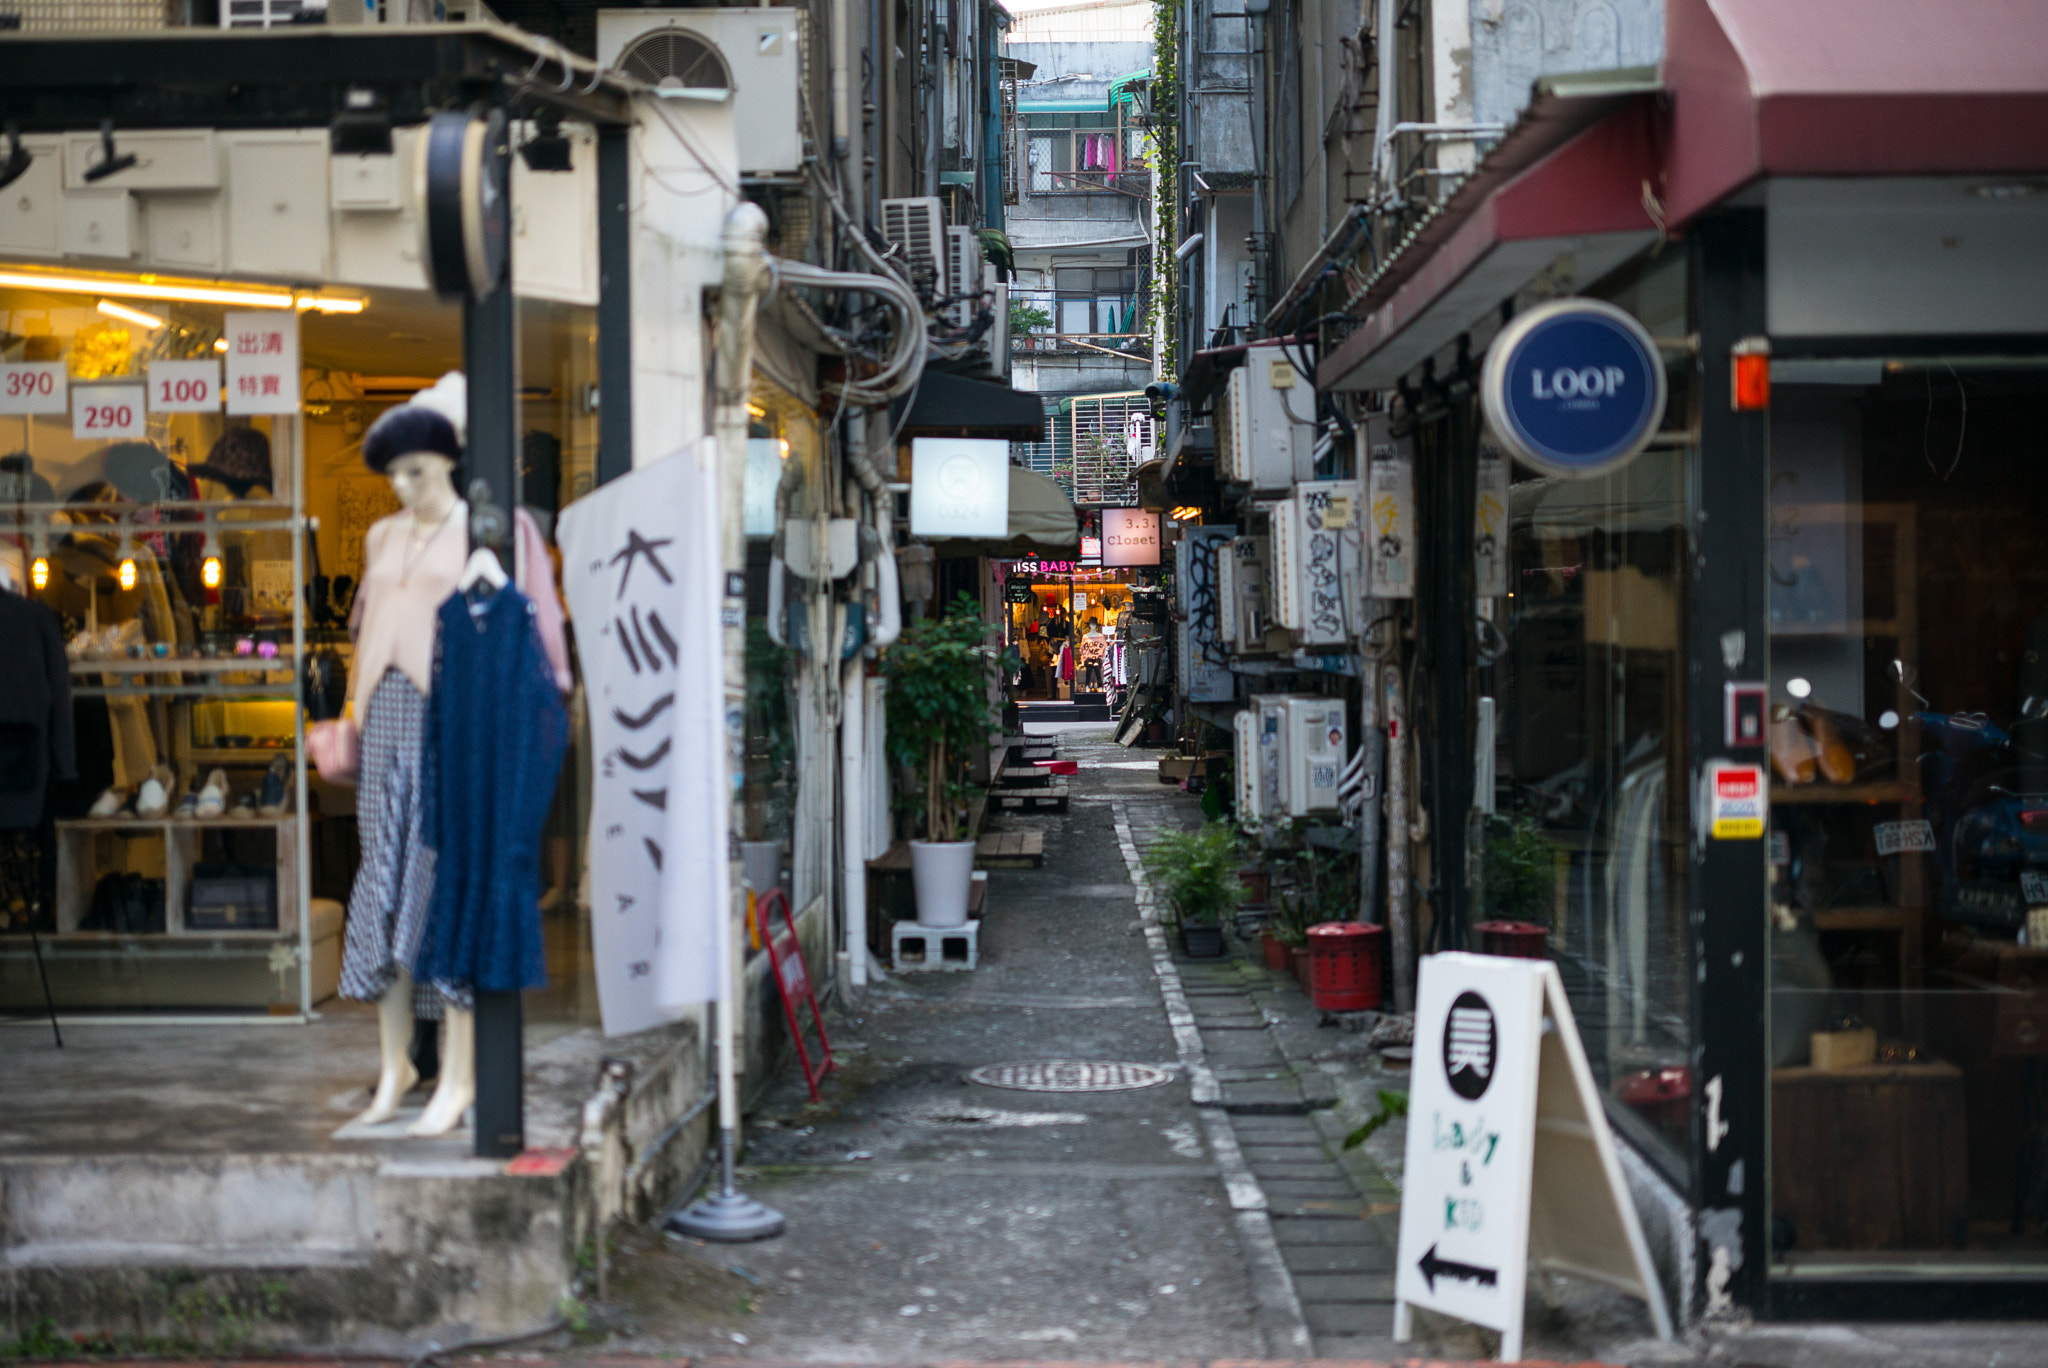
[(1908, 558), (194, 616)]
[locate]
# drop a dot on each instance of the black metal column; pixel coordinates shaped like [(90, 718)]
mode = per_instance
[(1726, 638), (490, 360), (614, 305), (1447, 477)]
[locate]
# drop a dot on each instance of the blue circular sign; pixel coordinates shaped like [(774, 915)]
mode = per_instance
[(1573, 387)]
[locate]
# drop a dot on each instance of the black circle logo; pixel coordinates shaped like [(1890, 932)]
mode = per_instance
[(1471, 1046)]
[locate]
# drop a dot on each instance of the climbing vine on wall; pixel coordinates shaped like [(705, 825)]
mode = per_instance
[(1164, 139)]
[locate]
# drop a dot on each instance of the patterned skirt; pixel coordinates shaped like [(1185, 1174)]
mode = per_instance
[(387, 909)]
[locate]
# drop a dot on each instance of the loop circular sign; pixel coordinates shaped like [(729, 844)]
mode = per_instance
[(1573, 387)]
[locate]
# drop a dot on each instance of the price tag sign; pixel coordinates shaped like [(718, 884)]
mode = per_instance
[(184, 386), (263, 361), (33, 387), (103, 412)]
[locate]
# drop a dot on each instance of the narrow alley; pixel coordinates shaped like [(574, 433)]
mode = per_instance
[(931, 1217)]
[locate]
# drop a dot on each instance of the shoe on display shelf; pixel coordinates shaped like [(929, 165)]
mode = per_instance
[(277, 790), (188, 806), (108, 804), (153, 799), (213, 796)]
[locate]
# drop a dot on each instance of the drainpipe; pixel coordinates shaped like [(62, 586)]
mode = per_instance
[(887, 625), (1399, 929)]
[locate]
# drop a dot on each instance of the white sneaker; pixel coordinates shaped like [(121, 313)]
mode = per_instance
[(107, 804), (152, 799), (213, 796)]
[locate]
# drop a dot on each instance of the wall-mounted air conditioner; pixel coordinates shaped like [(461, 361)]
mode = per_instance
[(1265, 436), (1314, 753), (964, 268), (753, 56), (1241, 594), (917, 227), (1244, 730), (1316, 569)]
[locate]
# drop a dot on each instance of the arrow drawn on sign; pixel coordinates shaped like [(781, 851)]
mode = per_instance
[(1432, 1266)]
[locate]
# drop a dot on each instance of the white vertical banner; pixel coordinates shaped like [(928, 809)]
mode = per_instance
[(640, 566), (1389, 509), (262, 360)]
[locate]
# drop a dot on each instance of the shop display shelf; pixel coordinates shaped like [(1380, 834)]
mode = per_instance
[(230, 821), (1863, 918), (286, 689), (1876, 791), (284, 662)]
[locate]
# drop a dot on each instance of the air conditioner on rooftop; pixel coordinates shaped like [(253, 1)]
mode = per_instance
[(752, 57)]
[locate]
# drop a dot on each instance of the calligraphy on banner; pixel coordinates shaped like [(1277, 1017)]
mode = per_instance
[(639, 558)]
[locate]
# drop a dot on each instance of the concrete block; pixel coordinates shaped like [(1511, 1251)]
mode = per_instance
[(924, 948)]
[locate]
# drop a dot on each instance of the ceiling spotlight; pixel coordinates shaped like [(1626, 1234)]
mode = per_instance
[(109, 162), (39, 565), (210, 559), (362, 128), (128, 315), (125, 573), (547, 149), (220, 344), (17, 159)]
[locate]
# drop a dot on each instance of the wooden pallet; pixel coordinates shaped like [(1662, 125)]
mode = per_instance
[(1010, 850), (1051, 798)]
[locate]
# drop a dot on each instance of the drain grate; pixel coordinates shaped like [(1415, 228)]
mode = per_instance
[(1069, 1076)]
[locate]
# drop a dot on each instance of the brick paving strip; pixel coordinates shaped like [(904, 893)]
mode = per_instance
[(1333, 1228)]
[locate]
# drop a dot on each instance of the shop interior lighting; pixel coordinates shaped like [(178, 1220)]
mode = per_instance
[(15, 164), (210, 562), (109, 161), (128, 315), (220, 344), (124, 573), (39, 564), (150, 287), (330, 304)]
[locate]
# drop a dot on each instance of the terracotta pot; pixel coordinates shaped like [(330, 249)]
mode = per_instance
[(1275, 951), (1299, 955)]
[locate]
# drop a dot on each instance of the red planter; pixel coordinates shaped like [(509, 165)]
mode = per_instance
[(1345, 966), (1513, 939), (1275, 951)]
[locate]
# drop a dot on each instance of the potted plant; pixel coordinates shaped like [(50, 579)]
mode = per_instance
[(939, 710), (1196, 873)]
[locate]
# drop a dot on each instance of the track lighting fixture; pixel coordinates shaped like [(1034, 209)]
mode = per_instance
[(363, 127), (109, 161), (17, 159), (547, 149)]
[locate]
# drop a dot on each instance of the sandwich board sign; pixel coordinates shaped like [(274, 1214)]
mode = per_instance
[(1509, 1158)]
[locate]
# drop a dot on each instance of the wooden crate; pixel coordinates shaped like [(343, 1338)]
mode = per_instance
[(1870, 1157)]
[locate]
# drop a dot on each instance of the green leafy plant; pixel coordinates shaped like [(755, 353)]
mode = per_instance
[(1393, 1106), (1319, 885), (1517, 870), (1027, 318), (939, 673), (1196, 873)]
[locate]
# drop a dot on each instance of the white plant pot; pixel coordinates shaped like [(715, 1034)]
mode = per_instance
[(943, 874)]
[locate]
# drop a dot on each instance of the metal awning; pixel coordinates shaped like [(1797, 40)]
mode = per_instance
[(1125, 89), (1851, 88), (1042, 522), (291, 77), (953, 406)]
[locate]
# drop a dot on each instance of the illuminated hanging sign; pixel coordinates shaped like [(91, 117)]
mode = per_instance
[(959, 487), (1130, 536), (1573, 388), (1042, 567)]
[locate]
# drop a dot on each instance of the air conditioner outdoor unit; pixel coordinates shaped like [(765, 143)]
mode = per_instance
[(917, 226), (1244, 730), (1259, 441), (963, 274), (1317, 572), (1270, 718), (753, 55), (1315, 750)]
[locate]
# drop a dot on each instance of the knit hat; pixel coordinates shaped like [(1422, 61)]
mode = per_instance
[(240, 460), (434, 420)]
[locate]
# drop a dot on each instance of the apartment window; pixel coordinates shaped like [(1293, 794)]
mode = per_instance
[(1095, 299), (1085, 154)]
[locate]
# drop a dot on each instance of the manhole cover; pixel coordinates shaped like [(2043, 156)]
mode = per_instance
[(1069, 1076)]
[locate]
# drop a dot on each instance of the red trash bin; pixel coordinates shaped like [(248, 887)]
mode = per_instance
[(1514, 939), (1344, 960)]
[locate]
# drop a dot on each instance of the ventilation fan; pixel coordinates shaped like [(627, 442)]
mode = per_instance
[(675, 59)]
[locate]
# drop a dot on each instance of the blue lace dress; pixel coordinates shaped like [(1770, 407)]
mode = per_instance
[(496, 732)]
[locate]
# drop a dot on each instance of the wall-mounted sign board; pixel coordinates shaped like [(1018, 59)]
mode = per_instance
[(1509, 1158), (1573, 388)]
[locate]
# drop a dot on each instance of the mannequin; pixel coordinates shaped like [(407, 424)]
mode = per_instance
[(411, 563)]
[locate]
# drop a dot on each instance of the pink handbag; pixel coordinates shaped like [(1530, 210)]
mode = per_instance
[(336, 750)]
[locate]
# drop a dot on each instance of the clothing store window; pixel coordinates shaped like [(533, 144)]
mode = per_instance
[(1908, 561), (1588, 832), (558, 438)]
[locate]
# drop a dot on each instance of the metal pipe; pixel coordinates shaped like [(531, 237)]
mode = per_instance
[(1345, 228), (1181, 252), (1372, 749), (852, 822), (1400, 929)]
